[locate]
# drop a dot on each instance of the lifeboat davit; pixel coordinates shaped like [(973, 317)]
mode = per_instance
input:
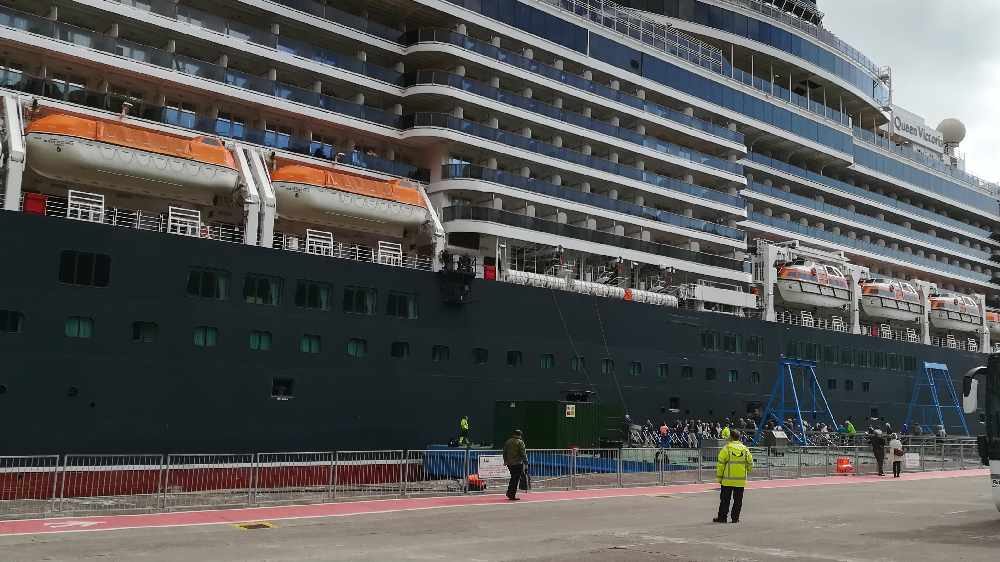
[(813, 284), (993, 322), (891, 299), (123, 157), (304, 190), (955, 312)]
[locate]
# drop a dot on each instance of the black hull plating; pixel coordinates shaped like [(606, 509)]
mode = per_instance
[(170, 396)]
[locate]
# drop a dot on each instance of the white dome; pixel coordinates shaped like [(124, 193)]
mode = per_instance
[(953, 130)]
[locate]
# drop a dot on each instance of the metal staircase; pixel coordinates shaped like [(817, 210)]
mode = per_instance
[(932, 414)]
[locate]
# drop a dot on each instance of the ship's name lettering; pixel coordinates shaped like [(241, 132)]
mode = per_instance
[(927, 135)]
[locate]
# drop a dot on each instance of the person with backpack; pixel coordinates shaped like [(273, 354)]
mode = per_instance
[(732, 469)]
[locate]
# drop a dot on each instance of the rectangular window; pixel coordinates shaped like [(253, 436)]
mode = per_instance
[(662, 370), (277, 137), (675, 403), (793, 350), (208, 284), (229, 125), (547, 361), (310, 294), (861, 359), (577, 364), (480, 356), (687, 372), (710, 341), (880, 360), (607, 366), (440, 353), (829, 354), (79, 327), (732, 343), (733, 375), (357, 347), (909, 363), (635, 368), (359, 300), (180, 113), (831, 384), (755, 345), (846, 357), (144, 332), (322, 147), (309, 343), (514, 358), (848, 385), (755, 377), (709, 374), (400, 349), (282, 388), (11, 321), (401, 305), (874, 412), (260, 340), (893, 362), (206, 336), (866, 386), (84, 268), (258, 289)]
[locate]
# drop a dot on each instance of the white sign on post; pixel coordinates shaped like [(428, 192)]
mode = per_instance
[(491, 466), (911, 460)]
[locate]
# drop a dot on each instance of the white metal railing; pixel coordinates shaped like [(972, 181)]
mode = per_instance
[(322, 243)]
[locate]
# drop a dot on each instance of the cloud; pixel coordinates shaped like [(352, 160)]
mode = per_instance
[(943, 61)]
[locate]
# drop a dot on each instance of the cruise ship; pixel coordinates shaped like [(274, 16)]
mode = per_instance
[(274, 225)]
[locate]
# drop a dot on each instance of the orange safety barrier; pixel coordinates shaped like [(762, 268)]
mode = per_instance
[(844, 466)]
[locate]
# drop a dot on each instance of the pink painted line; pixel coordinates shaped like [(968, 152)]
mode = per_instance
[(286, 512)]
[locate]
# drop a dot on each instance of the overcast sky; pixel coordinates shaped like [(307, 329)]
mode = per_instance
[(944, 62)]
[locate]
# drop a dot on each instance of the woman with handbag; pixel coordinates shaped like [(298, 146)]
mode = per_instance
[(896, 451)]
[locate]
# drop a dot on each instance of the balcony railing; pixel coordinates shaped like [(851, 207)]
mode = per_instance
[(871, 222), (351, 251), (559, 229), (904, 208), (533, 66), (933, 265), (446, 121), (535, 106), (468, 171)]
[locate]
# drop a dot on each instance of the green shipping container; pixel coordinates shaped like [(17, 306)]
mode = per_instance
[(557, 424)]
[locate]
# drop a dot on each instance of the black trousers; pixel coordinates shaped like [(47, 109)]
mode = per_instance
[(516, 474), (734, 493), (897, 467), (879, 459)]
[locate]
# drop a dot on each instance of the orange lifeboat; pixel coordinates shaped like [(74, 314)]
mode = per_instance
[(808, 283), (306, 190), (951, 311), (124, 157), (891, 299), (993, 322)]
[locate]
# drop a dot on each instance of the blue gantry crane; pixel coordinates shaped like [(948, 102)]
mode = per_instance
[(932, 413)]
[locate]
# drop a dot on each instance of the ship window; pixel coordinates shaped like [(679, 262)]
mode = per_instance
[(206, 336), (277, 137), (79, 327), (260, 340), (710, 373), (893, 364), (755, 345), (144, 332), (663, 370), (401, 305), (793, 350), (440, 353), (846, 357), (258, 289), (710, 341), (909, 363), (11, 321), (848, 385), (577, 364), (829, 354), (880, 362), (309, 343), (547, 361), (675, 403), (732, 343), (874, 412), (357, 347), (282, 388), (180, 113), (400, 349), (84, 268), (228, 125), (359, 300), (733, 376), (866, 386), (209, 284), (514, 358), (687, 372), (755, 377), (480, 356), (635, 368), (322, 147), (861, 359), (831, 384), (310, 294), (607, 366)]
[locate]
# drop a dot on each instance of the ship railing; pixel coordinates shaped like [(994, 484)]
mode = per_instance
[(388, 253), (951, 341), (54, 485), (807, 319)]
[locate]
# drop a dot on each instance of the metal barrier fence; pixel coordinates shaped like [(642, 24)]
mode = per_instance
[(41, 486)]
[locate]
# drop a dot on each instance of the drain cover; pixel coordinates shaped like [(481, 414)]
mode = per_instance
[(254, 525)]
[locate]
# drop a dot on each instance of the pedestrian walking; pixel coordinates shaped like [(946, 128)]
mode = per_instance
[(515, 456), (878, 449), (896, 452), (463, 432), (734, 465)]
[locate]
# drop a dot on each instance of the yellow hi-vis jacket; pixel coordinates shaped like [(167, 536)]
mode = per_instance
[(725, 432), (735, 464)]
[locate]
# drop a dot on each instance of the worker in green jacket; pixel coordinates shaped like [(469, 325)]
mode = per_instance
[(850, 427), (731, 471), (515, 456), (463, 432), (725, 433)]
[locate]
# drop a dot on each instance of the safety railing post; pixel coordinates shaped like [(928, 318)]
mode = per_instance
[(800, 465), (857, 461), (329, 476), (767, 455), (53, 504), (701, 478), (62, 484), (403, 465), (961, 456), (620, 479), (465, 471), (923, 458), (336, 475), (572, 469), (252, 483), (660, 467)]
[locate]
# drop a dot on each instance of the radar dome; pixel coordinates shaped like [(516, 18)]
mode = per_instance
[(953, 131)]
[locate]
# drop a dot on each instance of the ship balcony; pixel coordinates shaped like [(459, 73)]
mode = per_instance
[(325, 243)]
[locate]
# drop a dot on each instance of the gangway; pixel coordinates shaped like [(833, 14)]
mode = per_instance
[(778, 407), (933, 376)]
